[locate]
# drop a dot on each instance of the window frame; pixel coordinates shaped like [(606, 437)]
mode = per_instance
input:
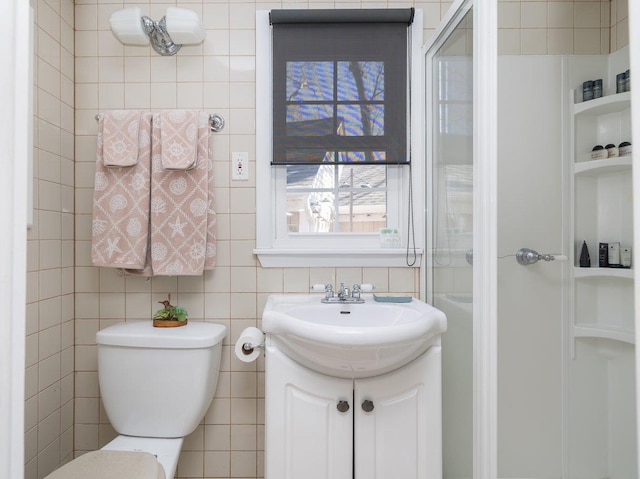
[(274, 248)]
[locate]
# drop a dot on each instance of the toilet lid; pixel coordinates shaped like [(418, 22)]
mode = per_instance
[(111, 465)]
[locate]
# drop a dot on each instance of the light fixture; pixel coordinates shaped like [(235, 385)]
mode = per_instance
[(178, 27)]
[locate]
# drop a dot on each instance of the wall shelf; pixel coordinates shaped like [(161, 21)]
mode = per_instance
[(598, 167), (601, 208), (598, 332), (604, 105), (600, 407), (624, 273)]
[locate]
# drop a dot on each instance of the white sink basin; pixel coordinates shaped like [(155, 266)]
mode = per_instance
[(351, 340)]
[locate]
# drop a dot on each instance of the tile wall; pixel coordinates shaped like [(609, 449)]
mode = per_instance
[(619, 22), (558, 27), (81, 70), (218, 76), (49, 372)]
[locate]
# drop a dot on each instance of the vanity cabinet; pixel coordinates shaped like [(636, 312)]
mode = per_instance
[(382, 427)]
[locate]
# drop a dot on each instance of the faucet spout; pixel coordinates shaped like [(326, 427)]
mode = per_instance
[(343, 293)]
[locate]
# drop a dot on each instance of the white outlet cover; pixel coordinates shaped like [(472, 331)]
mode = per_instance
[(240, 165)]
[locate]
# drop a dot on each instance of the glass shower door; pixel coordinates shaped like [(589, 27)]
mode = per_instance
[(449, 278)]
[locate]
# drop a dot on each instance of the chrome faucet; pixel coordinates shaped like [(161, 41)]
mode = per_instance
[(344, 295)]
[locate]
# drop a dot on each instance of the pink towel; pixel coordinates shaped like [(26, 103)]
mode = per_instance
[(183, 218), (120, 226), (179, 138), (120, 131), (204, 134)]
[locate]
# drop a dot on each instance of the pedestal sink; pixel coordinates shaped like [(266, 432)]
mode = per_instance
[(351, 340)]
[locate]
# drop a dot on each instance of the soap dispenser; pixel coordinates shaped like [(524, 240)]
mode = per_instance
[(585, 260)]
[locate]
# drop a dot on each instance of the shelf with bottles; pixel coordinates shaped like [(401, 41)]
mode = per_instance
[(603, 105), (596, 272), (601, 122), (602, 213), (589, 167)]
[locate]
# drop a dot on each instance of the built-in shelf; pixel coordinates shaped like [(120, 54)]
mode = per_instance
[(624, 273), (604, 105), (599, 373), (597, 167), (601, 332), (602, 297)]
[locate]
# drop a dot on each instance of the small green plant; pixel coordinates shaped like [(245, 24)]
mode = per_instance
[(170, 312)]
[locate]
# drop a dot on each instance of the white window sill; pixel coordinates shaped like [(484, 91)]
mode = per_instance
[(297, 258)]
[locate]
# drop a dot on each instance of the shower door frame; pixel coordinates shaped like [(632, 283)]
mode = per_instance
[(15, 91), (485, 238), (634, 59)]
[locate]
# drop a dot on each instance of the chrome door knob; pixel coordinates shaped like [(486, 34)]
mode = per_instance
[(343, 406)]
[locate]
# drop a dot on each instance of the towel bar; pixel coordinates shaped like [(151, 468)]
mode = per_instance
[(215, 120)]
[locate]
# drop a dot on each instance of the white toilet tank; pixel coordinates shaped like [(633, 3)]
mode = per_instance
[(158, 382)]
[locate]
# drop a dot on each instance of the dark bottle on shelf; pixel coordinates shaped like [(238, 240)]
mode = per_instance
[(585, 260)]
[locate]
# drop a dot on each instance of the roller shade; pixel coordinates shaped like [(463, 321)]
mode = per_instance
[(340, 86), (387, 15)]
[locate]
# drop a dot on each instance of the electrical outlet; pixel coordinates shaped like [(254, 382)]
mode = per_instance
[(240, 165)]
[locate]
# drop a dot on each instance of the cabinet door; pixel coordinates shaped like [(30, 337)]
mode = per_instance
[(307, 436), (401, 437)]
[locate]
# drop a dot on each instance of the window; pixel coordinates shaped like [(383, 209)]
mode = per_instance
[(332, 142), (336, 199)]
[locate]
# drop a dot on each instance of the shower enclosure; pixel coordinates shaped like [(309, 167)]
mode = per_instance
[(450, 207), (557, 398)]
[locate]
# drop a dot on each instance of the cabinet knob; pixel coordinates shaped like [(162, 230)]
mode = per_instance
[(367, 406), (343, 406)]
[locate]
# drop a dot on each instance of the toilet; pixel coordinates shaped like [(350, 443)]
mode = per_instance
[(156, 385)]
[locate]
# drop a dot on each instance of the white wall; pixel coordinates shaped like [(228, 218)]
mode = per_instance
[(530, 173)]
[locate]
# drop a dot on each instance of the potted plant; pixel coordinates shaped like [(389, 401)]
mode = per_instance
[(170, 316)]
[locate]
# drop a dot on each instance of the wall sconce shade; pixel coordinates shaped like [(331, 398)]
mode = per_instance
[(126, 25), (179, 26), (184, 26)]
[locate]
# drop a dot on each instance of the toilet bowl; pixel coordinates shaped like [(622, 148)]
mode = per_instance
[(156, 385)]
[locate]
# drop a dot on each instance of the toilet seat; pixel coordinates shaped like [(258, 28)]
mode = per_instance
[(165, 450), (105, 464)]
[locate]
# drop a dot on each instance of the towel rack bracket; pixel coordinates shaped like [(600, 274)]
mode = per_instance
[(217, 122)]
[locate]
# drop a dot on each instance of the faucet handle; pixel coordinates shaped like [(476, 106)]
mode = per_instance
[(355, 292), (328, 291)]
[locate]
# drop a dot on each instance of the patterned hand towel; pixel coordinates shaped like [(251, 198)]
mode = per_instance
[(182, 214), (120, 226), (120, 131), (179, 139), (204, 135)]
